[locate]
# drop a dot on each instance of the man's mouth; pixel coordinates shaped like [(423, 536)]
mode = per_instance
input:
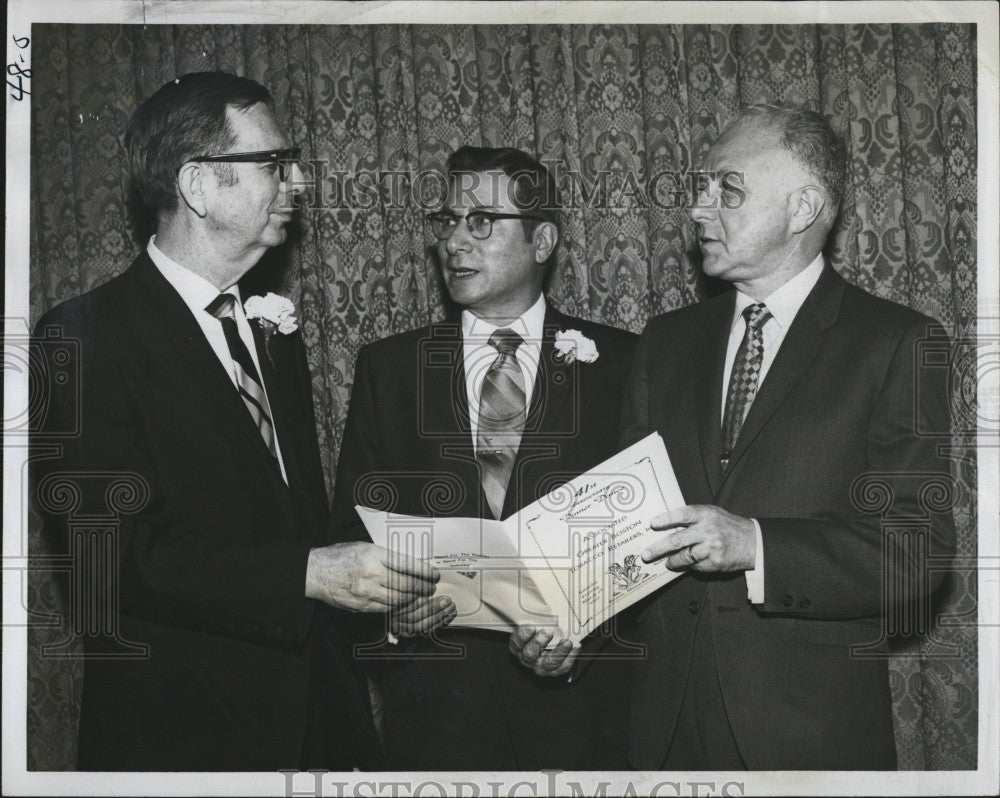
[(459, 272)]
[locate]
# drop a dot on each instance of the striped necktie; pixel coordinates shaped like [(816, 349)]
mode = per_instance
[(745, 379), (247, 378), (501, 418)]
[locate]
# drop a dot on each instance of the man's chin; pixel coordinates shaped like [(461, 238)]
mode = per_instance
[(460, 292), (461, 298), (711, 265), (274, 236)]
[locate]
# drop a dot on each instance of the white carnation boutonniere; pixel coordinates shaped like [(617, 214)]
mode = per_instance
[(272, 312), (574, 345)]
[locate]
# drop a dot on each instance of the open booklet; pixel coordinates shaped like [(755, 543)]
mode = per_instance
[(569, 561)]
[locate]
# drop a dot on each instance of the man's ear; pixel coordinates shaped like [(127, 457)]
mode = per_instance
[(810, 205), (191, 182), (545, 238)]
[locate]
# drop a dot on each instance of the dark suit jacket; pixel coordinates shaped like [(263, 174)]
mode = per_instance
[(408, 447), (211, 546), (841, 402)]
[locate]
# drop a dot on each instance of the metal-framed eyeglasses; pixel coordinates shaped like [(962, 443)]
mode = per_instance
[(479, 223)]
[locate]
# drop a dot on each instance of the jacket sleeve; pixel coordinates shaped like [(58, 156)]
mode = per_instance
[(361, 455), (361, 458)]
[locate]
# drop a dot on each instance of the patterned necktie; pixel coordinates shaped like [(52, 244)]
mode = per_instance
[(247, 379), (744, 381), (501, 418)]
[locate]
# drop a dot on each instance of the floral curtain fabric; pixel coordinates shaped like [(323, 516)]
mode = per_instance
[(618, 111)]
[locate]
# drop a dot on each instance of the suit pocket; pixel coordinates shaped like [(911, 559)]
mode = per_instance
[(864, 632)]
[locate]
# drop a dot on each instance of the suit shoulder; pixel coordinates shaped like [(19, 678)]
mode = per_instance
[(601, 329), (403, 343), (684, 316), (83, 313), (602, 333), (876, 315)]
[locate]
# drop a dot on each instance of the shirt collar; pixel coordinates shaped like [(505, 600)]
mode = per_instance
[(529, 325), (784, 302), (195, 290)]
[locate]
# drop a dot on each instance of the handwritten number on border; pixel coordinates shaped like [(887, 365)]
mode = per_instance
[(19, 76)]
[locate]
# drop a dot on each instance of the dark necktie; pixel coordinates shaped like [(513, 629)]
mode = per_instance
[(501, 418), (745, 379), (247, 378)]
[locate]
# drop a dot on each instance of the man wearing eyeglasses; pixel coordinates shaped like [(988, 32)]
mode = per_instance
[(203, 653), (477, 417)]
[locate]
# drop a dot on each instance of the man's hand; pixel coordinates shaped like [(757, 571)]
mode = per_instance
[(528, 644), (422, 616), (711, 540), (364, 577)]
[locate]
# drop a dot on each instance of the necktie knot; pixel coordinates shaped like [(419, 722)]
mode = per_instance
[(756, 315), (222, 306), (505, 341)]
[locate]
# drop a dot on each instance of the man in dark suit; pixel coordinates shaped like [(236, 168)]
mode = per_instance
[(477, 417), (783, 404), (194, 425)]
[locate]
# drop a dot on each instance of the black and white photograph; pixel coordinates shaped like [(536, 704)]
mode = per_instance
[(501, 399)]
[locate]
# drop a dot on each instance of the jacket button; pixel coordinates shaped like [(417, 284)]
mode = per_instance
[(805, 604), (693, 607), (788, 601)]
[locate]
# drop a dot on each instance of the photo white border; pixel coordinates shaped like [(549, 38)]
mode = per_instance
[(985, 781)]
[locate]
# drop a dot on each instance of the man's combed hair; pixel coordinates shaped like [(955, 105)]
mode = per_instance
[(184, 119), (810, 138), (535, 189)]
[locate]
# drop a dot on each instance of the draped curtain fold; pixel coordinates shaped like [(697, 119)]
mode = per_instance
[(619, 107)]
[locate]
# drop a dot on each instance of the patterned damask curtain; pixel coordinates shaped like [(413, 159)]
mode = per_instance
[(614, 103)]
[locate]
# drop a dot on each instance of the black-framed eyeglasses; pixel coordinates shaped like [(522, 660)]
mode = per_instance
[(258, 156), (479, 223)]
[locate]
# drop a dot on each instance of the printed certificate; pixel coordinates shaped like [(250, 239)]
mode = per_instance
[(569, 561)]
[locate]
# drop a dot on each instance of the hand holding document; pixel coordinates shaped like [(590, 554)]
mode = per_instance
[(569, 561)]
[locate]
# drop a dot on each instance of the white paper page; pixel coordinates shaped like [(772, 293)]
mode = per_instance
[(590, 533), (480, 569)]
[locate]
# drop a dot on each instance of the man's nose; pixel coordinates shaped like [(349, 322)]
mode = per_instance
[(704, 206), (460, 239), (296, 180)]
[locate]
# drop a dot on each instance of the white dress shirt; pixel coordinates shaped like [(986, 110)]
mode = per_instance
[(197, 293), (478, 355), (784, 303)]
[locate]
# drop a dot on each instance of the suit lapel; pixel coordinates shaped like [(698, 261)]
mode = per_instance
[(554, 382), (166, 313), (442, 393), (708, 395), (797, 352)]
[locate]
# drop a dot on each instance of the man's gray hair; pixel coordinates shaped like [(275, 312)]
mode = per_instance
[(810, 138)]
